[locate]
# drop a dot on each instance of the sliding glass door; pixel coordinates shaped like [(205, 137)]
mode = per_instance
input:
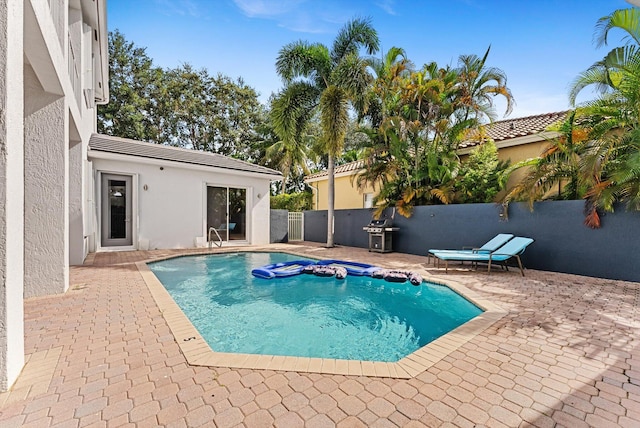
[(227, 212)]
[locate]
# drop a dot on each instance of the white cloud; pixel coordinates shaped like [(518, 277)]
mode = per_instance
[(301, 16), (387, 5), (180, 7), (267, 8)]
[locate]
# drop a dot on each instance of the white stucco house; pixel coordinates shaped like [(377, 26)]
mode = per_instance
[(65, 190), (148, 196)]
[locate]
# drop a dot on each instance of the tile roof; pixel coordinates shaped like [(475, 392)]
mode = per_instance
[(126, 146), (346, 167), (514, 128)]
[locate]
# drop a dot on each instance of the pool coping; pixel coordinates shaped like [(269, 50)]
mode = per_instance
[(198, 352)]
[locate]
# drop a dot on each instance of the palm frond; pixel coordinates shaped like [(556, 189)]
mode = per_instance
[(355, 34)]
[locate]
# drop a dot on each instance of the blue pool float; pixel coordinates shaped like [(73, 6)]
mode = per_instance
[(281, 270), (353, 268)]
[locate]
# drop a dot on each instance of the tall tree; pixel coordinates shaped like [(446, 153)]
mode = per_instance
[(327, 82), (184, 106), (214, 114), (478, 85), (134, 84), (412, 153)]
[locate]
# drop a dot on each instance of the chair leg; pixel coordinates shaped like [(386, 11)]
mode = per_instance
[(489, 267), (446, 266), (520, 265)]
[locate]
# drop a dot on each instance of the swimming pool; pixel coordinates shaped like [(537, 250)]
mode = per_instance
[(358, 318)]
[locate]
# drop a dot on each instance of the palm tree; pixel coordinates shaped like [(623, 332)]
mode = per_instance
[(290, 125), (329, 82), (611, 165), (478, 86), (410, 155), (559, 165)]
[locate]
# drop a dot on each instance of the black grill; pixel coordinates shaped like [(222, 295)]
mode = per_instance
[(380, 234)]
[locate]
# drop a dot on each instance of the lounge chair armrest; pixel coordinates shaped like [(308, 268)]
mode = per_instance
[(503, 254), (475, 250)]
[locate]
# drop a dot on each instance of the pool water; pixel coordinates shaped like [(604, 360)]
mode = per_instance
[(359, 318)]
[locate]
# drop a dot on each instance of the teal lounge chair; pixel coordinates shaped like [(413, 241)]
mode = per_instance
[(498, 241), (512, 249)]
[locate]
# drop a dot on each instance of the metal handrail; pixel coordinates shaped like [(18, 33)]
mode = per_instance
[(211, 242)]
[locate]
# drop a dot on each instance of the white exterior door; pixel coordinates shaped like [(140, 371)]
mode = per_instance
[(116, 201)]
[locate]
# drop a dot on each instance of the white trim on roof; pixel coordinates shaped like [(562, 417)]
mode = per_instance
[(108, 147), (95, 154), (338, 175)]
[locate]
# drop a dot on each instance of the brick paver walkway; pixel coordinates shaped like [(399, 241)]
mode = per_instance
[(566, 354)]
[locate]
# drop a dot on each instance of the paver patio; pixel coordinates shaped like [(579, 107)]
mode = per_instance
[(565, 354)]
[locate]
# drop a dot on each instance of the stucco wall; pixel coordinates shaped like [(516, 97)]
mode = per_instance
[(562, 242), (279, 226), (171, 212), (347, 195), (519, 153), (46, 191), (11, 192)]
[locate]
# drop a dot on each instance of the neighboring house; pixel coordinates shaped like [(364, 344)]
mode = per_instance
[(53, 72), (348, 195), (153, 196), (516, 139)]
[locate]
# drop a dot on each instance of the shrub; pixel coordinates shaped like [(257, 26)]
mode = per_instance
[(292, 201)]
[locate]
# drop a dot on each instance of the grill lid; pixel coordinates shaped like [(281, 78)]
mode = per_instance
[(383, 222)]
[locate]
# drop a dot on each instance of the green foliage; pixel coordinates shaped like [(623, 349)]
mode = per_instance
[(182, 107), (300, 201), (134, 84), (325, 83), (211, 113), (479, 178), (418, 118), (609, 165)]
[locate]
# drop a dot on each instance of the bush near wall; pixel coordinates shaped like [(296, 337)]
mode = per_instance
[(292, 201)]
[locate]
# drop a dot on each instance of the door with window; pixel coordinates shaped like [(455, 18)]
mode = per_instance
[(227, 212), (116, 210)]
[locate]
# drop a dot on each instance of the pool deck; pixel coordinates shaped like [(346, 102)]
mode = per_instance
[(564, 352)]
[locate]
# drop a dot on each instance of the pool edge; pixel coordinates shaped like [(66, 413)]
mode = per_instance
[(198, 352)]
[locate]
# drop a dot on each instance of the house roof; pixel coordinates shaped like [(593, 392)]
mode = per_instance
[(126, 146), (346, 167), (513, 128)]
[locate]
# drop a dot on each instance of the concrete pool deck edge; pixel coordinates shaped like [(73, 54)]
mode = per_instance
[(199, 353)]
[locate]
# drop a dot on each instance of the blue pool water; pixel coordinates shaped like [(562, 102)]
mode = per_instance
[(359, 318)]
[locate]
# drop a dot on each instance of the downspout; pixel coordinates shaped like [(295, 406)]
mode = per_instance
[(315, 189)]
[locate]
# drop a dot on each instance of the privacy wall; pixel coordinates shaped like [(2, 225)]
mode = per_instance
[(562, 242), (279, 225)]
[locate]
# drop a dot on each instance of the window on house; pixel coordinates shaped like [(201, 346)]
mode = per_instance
[(368, 200)]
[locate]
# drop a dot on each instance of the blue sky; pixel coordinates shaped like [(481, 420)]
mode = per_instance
[(541, 45)]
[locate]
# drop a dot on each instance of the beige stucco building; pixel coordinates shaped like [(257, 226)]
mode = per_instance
[(346, 190), (516, 139)]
